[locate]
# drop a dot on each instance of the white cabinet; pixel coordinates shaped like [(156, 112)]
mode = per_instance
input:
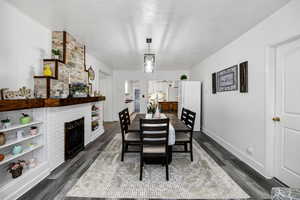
[(190, 98)]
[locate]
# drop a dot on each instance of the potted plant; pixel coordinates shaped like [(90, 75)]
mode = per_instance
[(16, 168), (183, 77), (6, 123), (25, 119), (56, 53)]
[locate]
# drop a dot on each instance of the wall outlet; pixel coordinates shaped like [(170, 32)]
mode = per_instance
[(250, 150)]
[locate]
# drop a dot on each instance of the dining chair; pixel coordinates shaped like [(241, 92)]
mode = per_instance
[(154, 142), (185, 139), (128, 138)]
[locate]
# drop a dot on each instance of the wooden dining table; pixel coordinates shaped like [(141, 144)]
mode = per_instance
[(179, 126)]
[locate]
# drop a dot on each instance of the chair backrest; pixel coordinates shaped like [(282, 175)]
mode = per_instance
[(183, 114), (127, 116), (123, 123), (155, 132), (190, 119)]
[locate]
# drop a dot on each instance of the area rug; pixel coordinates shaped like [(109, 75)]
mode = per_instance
[(108, 177)]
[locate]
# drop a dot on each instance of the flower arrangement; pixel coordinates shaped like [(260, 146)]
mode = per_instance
[(151, 108), (16, 168)]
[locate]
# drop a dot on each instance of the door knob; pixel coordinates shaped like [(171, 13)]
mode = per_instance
[(276, 119)]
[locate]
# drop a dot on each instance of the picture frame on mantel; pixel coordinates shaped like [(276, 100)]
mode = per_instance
[(244, 77), (227, 79)]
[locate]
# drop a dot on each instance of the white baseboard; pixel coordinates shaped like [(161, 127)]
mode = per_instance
[(257, 166)]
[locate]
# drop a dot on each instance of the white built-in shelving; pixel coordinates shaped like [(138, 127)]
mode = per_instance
[(19, 126), (16, 141), (33, 147), (11, 157)]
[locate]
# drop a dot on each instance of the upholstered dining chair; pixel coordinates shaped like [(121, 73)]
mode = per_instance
[(185, 139), (128, 138), (154, 142)]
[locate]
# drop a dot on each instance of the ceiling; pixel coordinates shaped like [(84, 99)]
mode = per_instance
[(183, 31)]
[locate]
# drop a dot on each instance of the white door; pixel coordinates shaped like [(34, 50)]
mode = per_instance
[(288, 113)]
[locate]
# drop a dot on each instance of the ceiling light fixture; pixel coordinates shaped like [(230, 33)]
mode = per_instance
[(149, 58)]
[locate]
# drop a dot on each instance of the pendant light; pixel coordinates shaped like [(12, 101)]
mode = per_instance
[(149, 58)]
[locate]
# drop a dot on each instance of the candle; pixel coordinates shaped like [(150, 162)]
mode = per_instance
[(69, 77)]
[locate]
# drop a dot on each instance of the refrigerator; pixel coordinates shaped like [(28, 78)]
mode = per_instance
[(189, 97)]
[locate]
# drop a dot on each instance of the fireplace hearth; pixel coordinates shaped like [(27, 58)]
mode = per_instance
[(74, 138)]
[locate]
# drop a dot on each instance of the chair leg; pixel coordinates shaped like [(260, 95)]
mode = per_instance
[(185, 147), (141, 169), (191, 150), (122, 156), (167, 169)]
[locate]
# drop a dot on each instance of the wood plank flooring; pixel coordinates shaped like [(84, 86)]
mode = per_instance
[(61, 180)]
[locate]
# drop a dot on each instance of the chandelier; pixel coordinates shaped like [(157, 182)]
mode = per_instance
[(149, 58)]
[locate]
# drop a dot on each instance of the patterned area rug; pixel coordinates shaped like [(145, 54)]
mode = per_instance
[(108, 177)]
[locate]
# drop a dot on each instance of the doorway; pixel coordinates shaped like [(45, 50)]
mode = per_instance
[(137, 98), (287, 113)]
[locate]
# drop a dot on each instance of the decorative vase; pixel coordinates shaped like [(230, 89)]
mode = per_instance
[(2, 156), (56, 57), (6, 124), (33, 130), (20, 134), (157, 113), (2, 139), (32, 163), (17, 149), (47, 70), (25, 120)]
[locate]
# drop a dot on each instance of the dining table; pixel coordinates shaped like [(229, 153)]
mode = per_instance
[(178, 126)]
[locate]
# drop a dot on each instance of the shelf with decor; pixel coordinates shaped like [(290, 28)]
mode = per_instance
[(11, 157), (17, 141), (28, 173), (23, 150), (95, 117), (19, 126)]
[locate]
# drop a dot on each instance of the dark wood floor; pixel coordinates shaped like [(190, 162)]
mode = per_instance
[(60, 181)]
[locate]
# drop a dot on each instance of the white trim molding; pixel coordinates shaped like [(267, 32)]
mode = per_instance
[(259, 167)]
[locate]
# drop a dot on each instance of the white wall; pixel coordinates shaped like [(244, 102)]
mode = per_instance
[(97, 66), (236, 120), (23, 45), (120, 76)]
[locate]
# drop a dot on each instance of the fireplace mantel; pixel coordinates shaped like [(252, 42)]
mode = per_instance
[(9, 105)]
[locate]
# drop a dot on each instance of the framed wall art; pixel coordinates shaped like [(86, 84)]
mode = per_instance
[(244, 77), (214, 83), (227, 79)]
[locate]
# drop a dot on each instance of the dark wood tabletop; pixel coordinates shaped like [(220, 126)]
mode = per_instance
[(178, 125)]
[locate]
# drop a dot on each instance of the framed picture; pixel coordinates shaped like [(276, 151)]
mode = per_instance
[(244, 77), (214, 83), (227, 79)]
